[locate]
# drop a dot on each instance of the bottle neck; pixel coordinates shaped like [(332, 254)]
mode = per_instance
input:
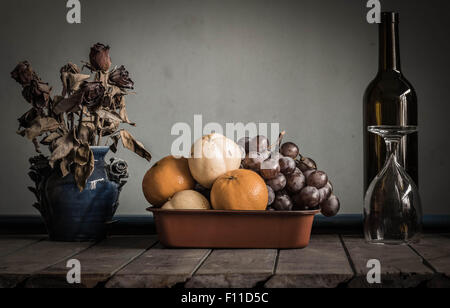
[(389, 45)]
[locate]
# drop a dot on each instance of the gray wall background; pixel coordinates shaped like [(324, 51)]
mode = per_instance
[(304, 64)]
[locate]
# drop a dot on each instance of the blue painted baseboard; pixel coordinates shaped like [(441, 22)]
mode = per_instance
[(345, 223)]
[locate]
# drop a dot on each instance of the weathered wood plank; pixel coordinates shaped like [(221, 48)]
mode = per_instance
[(98, 263), (323, 264), (436, 250), (11, 244), (244, 268), (159, 268), (400, 266), (17, 266)]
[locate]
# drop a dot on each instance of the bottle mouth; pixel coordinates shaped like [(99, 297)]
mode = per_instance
[(389, 17)]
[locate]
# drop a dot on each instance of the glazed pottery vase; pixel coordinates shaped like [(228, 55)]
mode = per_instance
[(71, 215)]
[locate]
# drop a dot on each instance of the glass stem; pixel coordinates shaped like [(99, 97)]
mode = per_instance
[(392, 147)]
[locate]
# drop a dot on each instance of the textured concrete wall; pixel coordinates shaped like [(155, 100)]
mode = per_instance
[(304, 64)]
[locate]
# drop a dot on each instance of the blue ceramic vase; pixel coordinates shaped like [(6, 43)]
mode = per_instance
[(71, 215)]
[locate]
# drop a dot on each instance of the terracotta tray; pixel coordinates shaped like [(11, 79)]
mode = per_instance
[(233, 229)]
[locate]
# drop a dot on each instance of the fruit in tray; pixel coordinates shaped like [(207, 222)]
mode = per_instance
[(213, 156), (247, 175), (167, 177), (239, 190), (187, 200)]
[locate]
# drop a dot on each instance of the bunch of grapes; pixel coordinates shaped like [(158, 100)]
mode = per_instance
[(293, 181)]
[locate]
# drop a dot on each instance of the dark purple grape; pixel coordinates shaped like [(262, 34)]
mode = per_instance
[(331, 185), (282, 202), (318, 179), (295, 182), (276, 155), (278, 183), (325, 193), (308, 172), (259, 144), (297, 171), (271, 195), (331, 207), (307, 199), (270, 169), (306, 163), (253, 161), (290, 149), (244, 144), (287, 165), (266, 154)]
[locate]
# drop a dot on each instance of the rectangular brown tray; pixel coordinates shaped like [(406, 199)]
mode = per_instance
[(233, 229)]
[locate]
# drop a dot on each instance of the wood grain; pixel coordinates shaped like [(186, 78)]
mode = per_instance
[(323, 264), (18, 266), (436, 250), (244, 268), (159, 268), (11, 244), (98, 263), (400, 265)]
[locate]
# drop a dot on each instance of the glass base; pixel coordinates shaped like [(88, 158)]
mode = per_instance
[(386, 242)]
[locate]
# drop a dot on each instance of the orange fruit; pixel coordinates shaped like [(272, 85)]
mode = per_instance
[(241, 190), (167, 177)]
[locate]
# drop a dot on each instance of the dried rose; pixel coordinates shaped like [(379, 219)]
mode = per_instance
[(92, 94), (117, 170), (99, 57), (120, 78), (37, 93), (23, 73)]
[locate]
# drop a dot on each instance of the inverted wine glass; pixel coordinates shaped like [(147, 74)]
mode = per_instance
[(392, 207)]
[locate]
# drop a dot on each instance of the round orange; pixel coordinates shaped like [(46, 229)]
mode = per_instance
[(241, 190), (167, 177)]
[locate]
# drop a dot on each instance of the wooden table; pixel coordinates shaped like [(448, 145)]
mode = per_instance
[(140, 261)]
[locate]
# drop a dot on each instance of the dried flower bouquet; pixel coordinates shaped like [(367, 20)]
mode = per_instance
[(89, 109)]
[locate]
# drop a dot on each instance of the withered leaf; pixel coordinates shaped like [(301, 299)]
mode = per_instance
[(37, 93), (115, 140), (70, 68), (82, 173), (27, 119), (37, 148), (71, 78), (50, 138), (123, 112), (115, 91), (75, 81), (64, 165), (108, 128), (86, 133), (111, 116), (82, 155), (133, 145), (39, 127), (63, 146), (70, 104)]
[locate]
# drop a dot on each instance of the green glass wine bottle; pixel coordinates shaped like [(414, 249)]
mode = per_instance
[(390, 99)]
